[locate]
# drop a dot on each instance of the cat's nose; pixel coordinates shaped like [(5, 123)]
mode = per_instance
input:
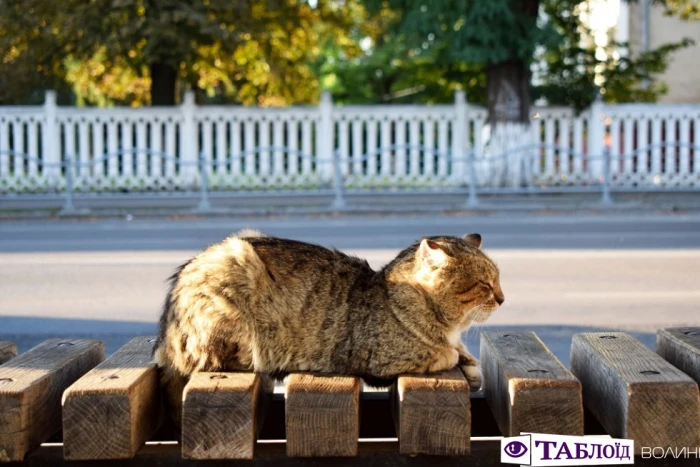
[(500, 298)]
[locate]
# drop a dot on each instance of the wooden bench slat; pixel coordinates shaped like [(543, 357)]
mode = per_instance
[(681, 348), (432, 413), (30, 391), (222, 414), (113, 410), (635, 393), (8, 350), (322, 415), (528, 389)]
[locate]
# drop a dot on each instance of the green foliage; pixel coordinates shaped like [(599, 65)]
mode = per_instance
[(572, 72), (275, 52), (429, 49), (250, 52)]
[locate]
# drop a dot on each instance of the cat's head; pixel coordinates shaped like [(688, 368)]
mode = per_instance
[(459, 276)]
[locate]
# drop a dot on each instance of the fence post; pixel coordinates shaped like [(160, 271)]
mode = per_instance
[(204, 204), (596, 136), (606, 199), (326, 153), (50, 142), (326, 136), (68, 207), (189, 139), (459, 163)]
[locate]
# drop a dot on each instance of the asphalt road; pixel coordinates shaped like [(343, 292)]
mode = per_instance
[(560, 274)]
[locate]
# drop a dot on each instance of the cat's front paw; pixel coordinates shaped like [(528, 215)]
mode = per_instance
[(473, 375), (445, 360)]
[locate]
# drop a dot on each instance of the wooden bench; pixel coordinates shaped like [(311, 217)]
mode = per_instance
[(60, 403)]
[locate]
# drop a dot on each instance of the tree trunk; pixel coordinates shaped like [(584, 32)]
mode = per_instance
[(508, 83), (508, 89), (163, 84)]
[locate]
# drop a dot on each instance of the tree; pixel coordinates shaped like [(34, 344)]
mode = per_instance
[(497, 36), (490, 48), (253, 49)]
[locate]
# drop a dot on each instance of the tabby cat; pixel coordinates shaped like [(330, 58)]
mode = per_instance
[(254, 302)]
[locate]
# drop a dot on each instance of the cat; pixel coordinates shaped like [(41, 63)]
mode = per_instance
[(271, 305)]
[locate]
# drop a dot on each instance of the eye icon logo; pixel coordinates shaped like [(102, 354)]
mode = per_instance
[(515, 449)]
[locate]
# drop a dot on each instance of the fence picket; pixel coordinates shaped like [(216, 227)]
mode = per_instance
[(371, 150), (306, 138), (385, 157), (293, 145), (656, 145), (357, 150), (429, 147), (278, 144), (642, 146), (33, 134), (684, 142), (670, 149), (628, 146), (414, 142), (157, 163), (129, 150)]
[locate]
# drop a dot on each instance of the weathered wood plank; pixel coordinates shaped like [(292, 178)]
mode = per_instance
[(8, 350), (432, 413), (322, 415), (527, 387), (681, 348), (111, 411), (635, 393), (222, 413), (30, 391)]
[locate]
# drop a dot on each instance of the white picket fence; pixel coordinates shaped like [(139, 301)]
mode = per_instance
[(392, 146)]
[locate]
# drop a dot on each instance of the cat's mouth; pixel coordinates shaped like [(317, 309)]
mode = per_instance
[(480, 313)]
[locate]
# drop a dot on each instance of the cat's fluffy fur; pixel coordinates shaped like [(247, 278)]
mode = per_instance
[(271, 305)]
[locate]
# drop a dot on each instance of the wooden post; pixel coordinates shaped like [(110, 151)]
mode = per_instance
[(30, 391), (322, 415), (222, 413), (8, 350), (432, 413), (111, 411), (527, 387), (681, 348), (634, 393)]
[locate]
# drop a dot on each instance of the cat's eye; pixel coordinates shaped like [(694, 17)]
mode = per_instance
[(475, 285), (469, 289)]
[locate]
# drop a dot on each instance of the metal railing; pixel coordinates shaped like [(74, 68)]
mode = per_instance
[(529, 155)]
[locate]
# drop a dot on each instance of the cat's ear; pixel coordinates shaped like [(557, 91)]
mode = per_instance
[(474, 239), (431, 254)]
